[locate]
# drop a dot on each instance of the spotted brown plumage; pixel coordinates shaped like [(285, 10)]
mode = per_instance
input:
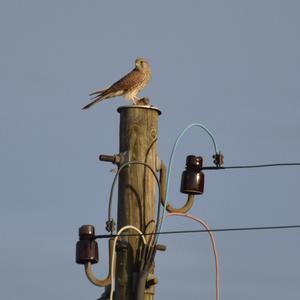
[(128, 86)]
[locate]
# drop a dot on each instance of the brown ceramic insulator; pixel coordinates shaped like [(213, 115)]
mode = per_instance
[(192, 179), (86, 247)]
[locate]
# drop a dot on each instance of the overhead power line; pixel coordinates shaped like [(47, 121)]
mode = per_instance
[(254, 228), (252, 166)]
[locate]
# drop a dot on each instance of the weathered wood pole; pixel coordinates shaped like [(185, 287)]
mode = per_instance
[(137, 186)]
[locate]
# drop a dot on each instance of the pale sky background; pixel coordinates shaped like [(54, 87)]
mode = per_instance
[(231, 65)]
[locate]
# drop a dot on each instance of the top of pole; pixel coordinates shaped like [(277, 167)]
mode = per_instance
[(140, 107)]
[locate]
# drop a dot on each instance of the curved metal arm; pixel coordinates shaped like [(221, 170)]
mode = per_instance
[(90, 274), (185, 208), (163, 179)]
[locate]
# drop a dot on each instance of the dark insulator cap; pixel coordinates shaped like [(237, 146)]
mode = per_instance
[(87, 232), (193, 161)]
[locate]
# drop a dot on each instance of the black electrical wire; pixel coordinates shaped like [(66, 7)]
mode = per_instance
[(255, 228), (251, 166)]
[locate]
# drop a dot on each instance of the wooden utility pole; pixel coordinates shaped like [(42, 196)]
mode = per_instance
[(136, 199)]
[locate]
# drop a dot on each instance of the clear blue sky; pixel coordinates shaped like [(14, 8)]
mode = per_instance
[(231, 65)]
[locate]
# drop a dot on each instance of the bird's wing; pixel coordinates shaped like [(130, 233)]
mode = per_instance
[(127, 82)]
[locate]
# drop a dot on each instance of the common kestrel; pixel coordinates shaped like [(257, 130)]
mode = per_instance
[(128, 86)]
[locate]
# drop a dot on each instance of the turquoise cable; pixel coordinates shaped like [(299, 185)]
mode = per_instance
[(171, 164)]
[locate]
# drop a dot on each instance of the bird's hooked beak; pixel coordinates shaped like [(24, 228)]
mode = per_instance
[(138, 63)]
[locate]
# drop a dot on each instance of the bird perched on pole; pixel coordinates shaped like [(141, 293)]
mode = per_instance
[(128, 86)]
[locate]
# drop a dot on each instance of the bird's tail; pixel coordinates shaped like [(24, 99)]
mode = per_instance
[(97, 97), (102, 95), (93, 103), (98, 93)]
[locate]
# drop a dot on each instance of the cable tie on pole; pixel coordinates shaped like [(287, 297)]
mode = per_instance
[(110, 225)]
